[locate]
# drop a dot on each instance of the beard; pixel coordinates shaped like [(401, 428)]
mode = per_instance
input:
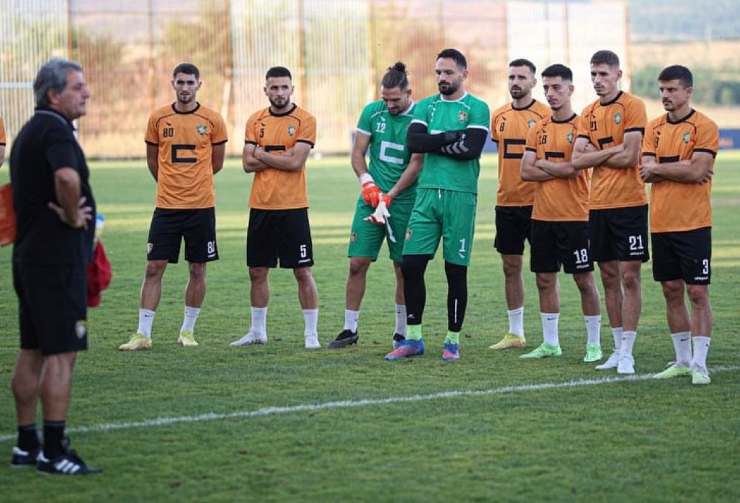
[(517, 93), (448, 88), (279, 103)]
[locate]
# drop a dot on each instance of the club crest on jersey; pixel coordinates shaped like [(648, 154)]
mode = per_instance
[(686, 137), (202, 129), (569, 137), (530, 122), (462, 116), (353, 237), (409, 232), (617, 118), (291, 130)]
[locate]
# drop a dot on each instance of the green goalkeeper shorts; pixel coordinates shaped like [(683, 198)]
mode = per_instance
[(445, 214), (366, 238)]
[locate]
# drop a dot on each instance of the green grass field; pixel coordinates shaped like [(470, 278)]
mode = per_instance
[(562, 439)]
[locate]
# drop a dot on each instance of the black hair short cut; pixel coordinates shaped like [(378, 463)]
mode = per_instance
[(558, 70), (187, 69), (523, 62), (605, 57), (677, 72), (454, 55), (278, 71)]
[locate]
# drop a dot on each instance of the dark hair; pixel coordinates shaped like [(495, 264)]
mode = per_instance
[(454, 55), (278, 71), (52, 76), (187, 69), (395, 77), (523, 62), (558, 70), (677, 72), (605, 57)]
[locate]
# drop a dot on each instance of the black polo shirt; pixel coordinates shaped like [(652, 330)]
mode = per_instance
[(45, 144)]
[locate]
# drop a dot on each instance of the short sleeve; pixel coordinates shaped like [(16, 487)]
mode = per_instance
[(2, 132), (494, 130), (582, 129), (61, 152), (531, 143), (364, 124), (420, 113), (219, 134), (480, 116), (635, 116), (307, 131), (648, 141), (152, 134), (250, 132), (707, 138)]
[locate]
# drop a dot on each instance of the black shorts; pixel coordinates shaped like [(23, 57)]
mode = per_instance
[(683, 255), (512, 228), (619, 234), (560, 243), (169, 227), (279, 234), (52, 307)]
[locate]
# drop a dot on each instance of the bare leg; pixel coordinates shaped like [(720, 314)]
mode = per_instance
[(589, 293), (629, 273), (612, 291), (676, 312), (259, 291), (25, 384), (195, 292), (151, 288), (356, 281), (513, 282), (308, 296)]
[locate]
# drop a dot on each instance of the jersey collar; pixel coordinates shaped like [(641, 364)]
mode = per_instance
[(679, 121), (513, 107), (613, 100), (53, 113), (197, 106), (284, 113), (408, 110), (442, 97), (564, 120)]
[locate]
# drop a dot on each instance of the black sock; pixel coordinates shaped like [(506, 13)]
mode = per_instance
[(28, 439), (53, 435), (414, 290), (457, 295)]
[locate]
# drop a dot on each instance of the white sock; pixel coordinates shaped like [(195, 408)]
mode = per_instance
[(593, 329), (617, 336), (146, 318), (311, 320), (550, 328), (188, 322), (516, 321), (400, 319), (351, 318), (701, 348), (682, 345), (259, 320), (628, 342)]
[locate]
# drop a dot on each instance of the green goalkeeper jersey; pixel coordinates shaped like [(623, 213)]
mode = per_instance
[(439, 115), (389, 156)]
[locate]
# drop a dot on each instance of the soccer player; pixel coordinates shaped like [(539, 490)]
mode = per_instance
[(185, 145), (515, 197), (391, 177), (614, 125), (560, 215), (450, 128), (2, 141), (678, 158), (278, 141)]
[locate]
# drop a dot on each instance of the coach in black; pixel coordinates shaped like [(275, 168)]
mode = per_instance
[(54, 207)]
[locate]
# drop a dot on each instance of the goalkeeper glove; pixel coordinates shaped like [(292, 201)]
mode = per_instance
[(370, 192)]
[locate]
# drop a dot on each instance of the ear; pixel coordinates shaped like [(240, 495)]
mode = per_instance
[(200, 83), (465, 73), (571, 88), (619, 74)]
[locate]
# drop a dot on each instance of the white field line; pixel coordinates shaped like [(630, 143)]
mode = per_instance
[(346, 404)]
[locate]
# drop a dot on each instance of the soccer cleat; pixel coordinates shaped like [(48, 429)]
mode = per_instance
[(593, 353), (610, 362), (626, 365), (406, 349), (509, 341), (249, 339), (699, 375), (69, 463), (186, 339), (544, 350), (23, 458), (673, 370), (137, 342), (345, 338), (451, 352), (397, 339), (312, 341)]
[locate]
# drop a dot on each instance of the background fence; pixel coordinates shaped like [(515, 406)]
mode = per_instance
[(337, 51)]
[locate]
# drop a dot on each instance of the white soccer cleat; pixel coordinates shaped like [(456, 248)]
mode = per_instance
[(626, 365), (249, 339), (610, 363), (312, 341)]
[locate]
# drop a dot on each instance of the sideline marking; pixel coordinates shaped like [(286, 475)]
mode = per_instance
[(346, 404)]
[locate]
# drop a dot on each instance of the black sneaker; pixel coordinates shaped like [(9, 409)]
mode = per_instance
[(69, 463), (344, 339), (23, 458), (397, 339)]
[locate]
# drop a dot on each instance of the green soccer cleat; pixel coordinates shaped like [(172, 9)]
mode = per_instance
[(700, 375), (544, 350), (137, 342), (509, 341), (674, 370), (186, 339), (593, 353)]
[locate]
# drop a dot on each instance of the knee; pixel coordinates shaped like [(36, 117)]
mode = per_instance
[(584, 282), (197, 272), (672, 291), (257, 274), (511, 268), (414, 266), (699, 295), (456, 272), (155, 269), (631, 279), (303, 275), (609, 278), (545, 281), (358, 267)]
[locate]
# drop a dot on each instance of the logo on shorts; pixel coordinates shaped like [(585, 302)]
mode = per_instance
[(353, 237), (462, 116), (81, 329), (202, 129), (686, 137), (617, 118), (409, 232), (291, 130), (530, 122), (569, 137), (149, 247)]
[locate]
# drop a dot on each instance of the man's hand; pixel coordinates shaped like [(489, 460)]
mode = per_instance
[(387, 200), (84, 214), (647, 167), (589, 148), (370, 192), (380, 215)]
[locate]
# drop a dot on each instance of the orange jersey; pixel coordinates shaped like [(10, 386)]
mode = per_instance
[(675, 206), (2, 133), (604, 126), (275, 189), (559, 199), (509, 127), (185, 141)]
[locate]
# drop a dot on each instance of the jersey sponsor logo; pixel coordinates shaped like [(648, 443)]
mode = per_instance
[(202, 129), (617, 118), (462, 116), (386, 149), (80, 329), (686, 137), (291, 130)]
